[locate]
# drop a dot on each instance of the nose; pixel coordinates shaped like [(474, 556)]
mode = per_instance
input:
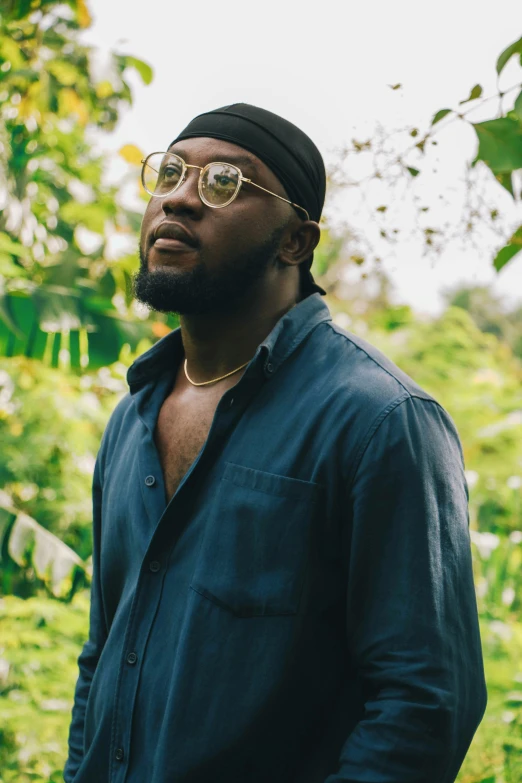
[(185, 199)]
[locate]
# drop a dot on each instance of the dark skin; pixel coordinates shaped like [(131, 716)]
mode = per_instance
[(224, 335), (218, 342)]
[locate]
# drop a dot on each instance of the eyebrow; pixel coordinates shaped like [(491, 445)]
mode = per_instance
[(238, 160)]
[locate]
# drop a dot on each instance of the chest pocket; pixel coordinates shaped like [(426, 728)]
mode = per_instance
[(256, 546)]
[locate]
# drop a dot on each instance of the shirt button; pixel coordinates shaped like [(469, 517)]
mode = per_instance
[(154, 566), (118, 754), (269, 367), (150, 481), (132, 658), (231, 402)]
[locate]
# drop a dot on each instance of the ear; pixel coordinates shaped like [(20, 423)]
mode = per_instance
[(300, 243)]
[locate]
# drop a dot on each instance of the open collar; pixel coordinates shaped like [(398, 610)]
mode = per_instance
[(289, 331)]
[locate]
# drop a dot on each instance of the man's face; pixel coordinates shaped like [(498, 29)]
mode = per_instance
[(232, 248)]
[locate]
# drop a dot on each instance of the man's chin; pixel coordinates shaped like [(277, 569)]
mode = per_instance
[(166, 291)]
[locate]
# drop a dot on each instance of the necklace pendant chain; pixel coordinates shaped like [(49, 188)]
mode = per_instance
[(214, 380)]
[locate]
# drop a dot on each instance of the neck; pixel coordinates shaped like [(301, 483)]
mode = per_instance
[(217, 343)]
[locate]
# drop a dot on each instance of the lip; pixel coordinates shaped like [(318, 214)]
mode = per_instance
[(172, 245), (173, 236)]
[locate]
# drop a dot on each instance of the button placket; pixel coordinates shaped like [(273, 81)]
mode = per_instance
[(141, 622), (130, 676)]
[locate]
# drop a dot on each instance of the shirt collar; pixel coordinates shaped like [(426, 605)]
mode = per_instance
[(289, 331)]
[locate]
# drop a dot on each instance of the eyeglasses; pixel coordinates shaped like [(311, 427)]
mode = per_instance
[(219, 183)]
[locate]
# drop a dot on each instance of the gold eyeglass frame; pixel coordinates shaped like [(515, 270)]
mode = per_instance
[(202, 169)]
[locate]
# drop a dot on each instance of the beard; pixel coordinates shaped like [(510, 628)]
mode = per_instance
[(201, 291)]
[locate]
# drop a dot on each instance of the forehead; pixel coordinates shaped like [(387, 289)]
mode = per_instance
[(202, 150)]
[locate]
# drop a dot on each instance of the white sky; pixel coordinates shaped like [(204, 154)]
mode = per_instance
[(324, 66)]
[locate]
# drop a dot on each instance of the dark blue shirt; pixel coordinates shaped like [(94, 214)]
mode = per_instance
[(303, 609)]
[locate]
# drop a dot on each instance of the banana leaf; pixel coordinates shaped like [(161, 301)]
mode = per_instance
[(29, 545), (65, 327)]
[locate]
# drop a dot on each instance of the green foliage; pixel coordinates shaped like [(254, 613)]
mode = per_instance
[(395, 201), (500, 145), (475, 93), (495, 752), (479, 381), (28, 545), (513, 247), (63, 298), (507, 54), (472, 373), (498, 561), (40, 641), (66, 303), (51, 425), (490, 314), (327, 253), (438, 116)]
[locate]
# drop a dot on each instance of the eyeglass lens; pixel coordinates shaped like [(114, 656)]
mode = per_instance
[(218, 186), (219, 183)]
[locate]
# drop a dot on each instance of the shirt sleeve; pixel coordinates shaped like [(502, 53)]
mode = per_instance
[(412, 622), (93, 647)]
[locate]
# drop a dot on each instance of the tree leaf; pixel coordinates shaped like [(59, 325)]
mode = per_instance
[(58, 308), (66, 312), (112, 333), (517, 108), (7, 518), (413, 172), (513, 246), (500, 144), (505, 255), (71, 103), (475, 93), (507, 54), (65, 72), (92, 216), (506, 180), (143, 68), (104, 89), (83, 15), (440, 115), (7, 245), (31, 545), (6, 315), (8, 268), (131, 154)]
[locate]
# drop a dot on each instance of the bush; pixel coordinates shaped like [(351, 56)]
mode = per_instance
[(41, 640)]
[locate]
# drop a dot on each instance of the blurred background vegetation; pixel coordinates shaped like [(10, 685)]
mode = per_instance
[(69, 329)]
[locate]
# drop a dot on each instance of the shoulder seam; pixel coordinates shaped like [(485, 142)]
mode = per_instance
[(377, 423), (332, 325), (374, 426)]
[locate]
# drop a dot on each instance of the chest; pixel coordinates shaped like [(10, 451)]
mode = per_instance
[(182, 429)]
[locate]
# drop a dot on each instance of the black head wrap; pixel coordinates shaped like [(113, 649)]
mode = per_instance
[(282, 146)]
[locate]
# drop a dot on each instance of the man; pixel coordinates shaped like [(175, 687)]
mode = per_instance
[(282, 585)]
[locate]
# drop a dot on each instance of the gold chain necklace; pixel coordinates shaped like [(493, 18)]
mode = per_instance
[(214, 380)]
